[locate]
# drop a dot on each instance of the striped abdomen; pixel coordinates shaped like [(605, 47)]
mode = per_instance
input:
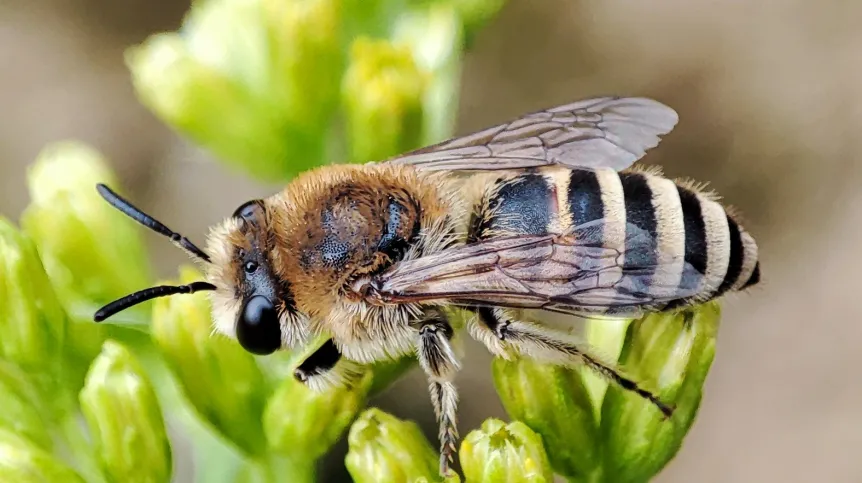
[(682, 244)]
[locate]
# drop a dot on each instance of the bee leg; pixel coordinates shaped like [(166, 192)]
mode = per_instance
[(542, 344), (326, 368), (483, 328), (440, 364)]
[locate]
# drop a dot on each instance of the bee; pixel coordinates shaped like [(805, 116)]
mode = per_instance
[(542, 214)]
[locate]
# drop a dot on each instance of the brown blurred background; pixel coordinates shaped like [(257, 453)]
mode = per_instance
[(770, 100)]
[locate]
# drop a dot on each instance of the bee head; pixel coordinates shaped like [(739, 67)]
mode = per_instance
[(250, 303)]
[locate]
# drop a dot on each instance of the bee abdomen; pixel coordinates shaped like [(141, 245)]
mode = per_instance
[(678, 243), (718, 254)]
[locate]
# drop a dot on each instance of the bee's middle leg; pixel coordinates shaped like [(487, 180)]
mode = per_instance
[(499, 333), (326, 368), (440, 364)]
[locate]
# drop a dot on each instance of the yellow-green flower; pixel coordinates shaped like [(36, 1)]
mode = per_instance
[(25, 411), (675, 351), (255, 81), (32, 322), (385, 449), (298, 419), (22, 461), (504, 453), (221, 380), (383, 91), (554, 402), (124, 418), (596, 431), (434, 34), (92, 253)]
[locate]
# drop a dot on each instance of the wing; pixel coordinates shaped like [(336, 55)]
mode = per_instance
[(568, 274), (611, 132)]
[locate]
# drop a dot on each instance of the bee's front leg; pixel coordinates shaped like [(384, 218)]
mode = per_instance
[(440, 364), (499, 332), (326, 368)]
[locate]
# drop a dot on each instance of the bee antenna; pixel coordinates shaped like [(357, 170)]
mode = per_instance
[(149, 294), (148, 221)]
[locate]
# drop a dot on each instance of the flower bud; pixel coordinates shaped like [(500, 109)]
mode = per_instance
[(24, 410), (385, 449), (22, 461), (308, 60), (555, 403), (299, 419), (256, 81), (92, 253), (434, 34), (382, 92), (32, 322), (505, 453), (124, 418), (673, 353), (220, 379)]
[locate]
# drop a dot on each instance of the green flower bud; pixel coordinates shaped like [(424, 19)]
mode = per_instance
[(674, 352), (24, 411), (22, 461), (92, 253), (385, 449), (256, 82), (124, 418), (504, 453), (221, 380), (383, 91), (555, 403), (308, 60), (435, 36), (32, 322), (298, 419), (198, 100)]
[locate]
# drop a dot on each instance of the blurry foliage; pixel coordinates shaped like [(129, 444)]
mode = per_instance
[(273, 87)]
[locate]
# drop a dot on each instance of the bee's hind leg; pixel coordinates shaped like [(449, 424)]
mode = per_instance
[(326, 368), (440, 364), (502, 334)]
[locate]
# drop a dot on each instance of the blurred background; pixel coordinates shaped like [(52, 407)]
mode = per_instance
[(770, 101)]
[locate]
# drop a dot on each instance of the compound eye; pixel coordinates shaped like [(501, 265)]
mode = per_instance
[(250, 211), (257, 329)]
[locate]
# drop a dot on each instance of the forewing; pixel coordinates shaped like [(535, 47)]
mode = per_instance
[(611, 132), (567, 274)]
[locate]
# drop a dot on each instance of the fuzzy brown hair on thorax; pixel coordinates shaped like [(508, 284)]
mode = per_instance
[(336, 223)]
